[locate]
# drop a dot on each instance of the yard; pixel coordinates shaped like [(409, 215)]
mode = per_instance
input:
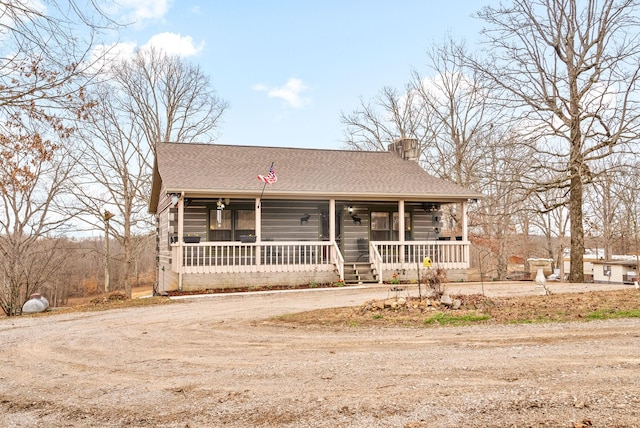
[(234, 360)]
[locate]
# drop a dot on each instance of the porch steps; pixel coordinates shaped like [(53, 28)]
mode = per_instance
[(359, 273)]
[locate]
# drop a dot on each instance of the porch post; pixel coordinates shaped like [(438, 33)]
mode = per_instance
[(332, 227), (401, 227), (465, 221), (258, 230), (180, 240), (465, 235)]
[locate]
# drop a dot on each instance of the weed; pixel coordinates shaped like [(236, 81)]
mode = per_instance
[(451, 319), (603, 314)]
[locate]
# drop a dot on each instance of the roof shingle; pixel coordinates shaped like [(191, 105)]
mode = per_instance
[(215, 169)]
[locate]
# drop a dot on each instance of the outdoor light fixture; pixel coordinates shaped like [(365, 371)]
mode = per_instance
[(174, 199), (430, 207), (350, 209)]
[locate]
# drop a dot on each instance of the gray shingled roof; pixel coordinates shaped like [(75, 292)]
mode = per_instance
[(216, 169)]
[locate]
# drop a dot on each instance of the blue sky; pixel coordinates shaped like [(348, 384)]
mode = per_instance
[(289, 68)]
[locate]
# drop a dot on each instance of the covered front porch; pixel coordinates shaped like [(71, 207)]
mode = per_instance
[(384, 257), (293, 242)]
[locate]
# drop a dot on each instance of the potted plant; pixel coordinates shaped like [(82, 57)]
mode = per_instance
[(195, 239), (247, 238)]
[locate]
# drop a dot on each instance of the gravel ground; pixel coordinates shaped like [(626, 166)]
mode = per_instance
[(218, 361)]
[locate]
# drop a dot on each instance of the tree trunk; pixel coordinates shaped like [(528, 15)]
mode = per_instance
[(576, 272)]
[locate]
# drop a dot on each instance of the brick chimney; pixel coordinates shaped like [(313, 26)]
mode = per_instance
[(406, 148)]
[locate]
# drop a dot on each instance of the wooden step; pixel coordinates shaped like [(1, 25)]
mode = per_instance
[(359, 273)]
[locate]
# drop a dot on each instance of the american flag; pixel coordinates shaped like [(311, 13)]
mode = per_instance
[(269, 178)]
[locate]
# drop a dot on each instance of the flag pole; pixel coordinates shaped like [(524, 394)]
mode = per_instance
[(264, 185)]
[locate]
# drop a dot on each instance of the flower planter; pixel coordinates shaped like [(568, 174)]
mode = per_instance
[(247, 238), (191, 239)]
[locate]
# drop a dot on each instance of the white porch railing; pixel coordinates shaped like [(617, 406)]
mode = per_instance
[(392, 255), (300, 256), (219, 257), (338, 260)]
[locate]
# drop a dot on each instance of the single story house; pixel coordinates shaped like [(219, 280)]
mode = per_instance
[(323, 216), (618, 271)]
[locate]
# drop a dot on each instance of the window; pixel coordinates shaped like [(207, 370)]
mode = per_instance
[(396, 226), (232, 224), (245, 223), (385, 225), (380, 226), (220, 231)]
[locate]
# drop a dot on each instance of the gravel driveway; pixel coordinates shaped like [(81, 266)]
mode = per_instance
[(217, 361)]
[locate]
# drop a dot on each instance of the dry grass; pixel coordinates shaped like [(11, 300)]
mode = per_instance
[(104, 303), (477, 309)]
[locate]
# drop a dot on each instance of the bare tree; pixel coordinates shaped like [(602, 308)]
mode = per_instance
[(447, 112), (461, 121), (498, 178), (45, 51), (612, 206), (46, 48), (548, 214), (168, 98), (569, 70), (153, 98), (389, 116), (34, 173)]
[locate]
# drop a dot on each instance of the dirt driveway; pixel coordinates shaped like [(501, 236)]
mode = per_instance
[(216, 362)]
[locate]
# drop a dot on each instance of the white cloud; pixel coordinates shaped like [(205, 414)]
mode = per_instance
[(116, 51), (174, 44), (103, 56), (291, 92), (142, 10)]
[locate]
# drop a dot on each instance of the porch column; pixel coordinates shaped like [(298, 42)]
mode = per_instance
[(258, 227), (332, 227), (401, 227), (465, 235), (180, 240), (465, 221)]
